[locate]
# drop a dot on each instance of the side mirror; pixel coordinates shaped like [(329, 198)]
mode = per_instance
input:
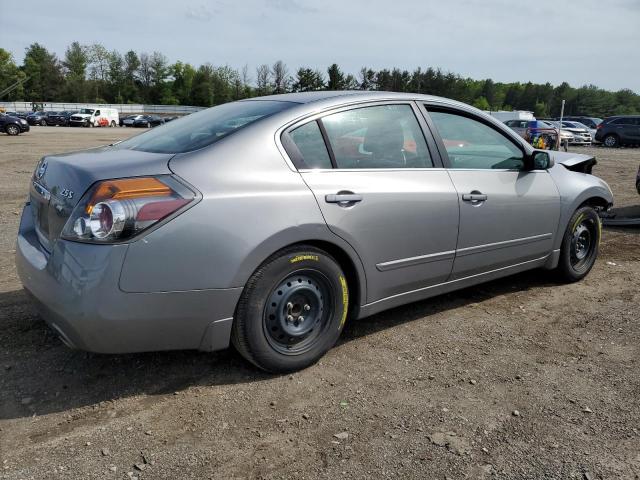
[(539, 160)]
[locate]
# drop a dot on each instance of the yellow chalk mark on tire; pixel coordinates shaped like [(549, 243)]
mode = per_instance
[(345, 301)]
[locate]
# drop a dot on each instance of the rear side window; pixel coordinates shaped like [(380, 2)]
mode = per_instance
[(625, 121), (307, 146), (203, 128), (387, 136)]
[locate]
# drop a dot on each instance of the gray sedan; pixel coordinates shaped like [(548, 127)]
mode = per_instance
[(271, 222)]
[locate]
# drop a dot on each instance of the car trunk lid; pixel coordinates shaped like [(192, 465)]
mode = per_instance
[(60, 181)]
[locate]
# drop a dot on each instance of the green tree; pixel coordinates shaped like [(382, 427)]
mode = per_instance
[(44, 74), (75, 67), (482, 103), (9, 76), (308, 80), (336, 78)]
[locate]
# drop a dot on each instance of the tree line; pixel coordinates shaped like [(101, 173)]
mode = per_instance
[(91, 73)]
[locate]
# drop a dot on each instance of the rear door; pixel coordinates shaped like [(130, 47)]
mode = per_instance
[(634, 130), (507, 215), (381, 187)]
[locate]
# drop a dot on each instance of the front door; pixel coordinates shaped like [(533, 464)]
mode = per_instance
[(508, 215), (380, 189)]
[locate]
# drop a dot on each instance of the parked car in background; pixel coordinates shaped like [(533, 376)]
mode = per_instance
[(267, 222), (59, 118), (576, 124), (528, 128), (591, 122), (98, 117), (13, 125), (148, 121), (619, 130), (581, 135), (128, 120), (37, 118)]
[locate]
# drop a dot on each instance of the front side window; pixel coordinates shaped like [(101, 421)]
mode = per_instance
[(387, 136), (472, 144)]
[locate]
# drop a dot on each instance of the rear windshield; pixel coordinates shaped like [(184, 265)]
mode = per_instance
[(203, 128)]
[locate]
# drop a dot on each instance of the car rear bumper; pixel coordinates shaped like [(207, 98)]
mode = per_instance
[(75, 288)]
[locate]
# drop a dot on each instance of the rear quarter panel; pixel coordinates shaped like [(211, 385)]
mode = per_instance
[(252, 205)]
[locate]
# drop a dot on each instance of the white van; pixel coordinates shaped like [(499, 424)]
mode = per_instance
[(95, 117)]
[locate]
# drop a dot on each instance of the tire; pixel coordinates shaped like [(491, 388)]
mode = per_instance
[(91, 125), (580, 244), (43, 123), (611, 141), (113, 124), (270, 329), (12, 130), (148, 125)]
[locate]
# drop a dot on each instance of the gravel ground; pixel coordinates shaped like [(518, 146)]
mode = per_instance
[(518, 378)]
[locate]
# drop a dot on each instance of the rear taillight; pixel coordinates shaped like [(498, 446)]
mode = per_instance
[(599, 126), (117, 210)]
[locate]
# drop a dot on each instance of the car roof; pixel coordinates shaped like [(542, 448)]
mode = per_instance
[(346, 96)]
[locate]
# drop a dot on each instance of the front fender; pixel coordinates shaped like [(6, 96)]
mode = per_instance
[(576, 189)]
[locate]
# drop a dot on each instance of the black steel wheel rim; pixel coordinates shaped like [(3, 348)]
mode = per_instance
[(583, 243), (298, 312)]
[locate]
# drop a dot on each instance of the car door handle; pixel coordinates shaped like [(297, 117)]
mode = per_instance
[(474, 197), (343, 198)]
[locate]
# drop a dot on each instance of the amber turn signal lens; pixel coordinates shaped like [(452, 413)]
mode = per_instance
[(127, 188)]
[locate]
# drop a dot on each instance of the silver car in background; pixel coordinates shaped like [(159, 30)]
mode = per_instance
[(581, 134), (269, 222)]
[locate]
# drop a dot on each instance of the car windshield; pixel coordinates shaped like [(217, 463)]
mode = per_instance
[(204, 128), (88, 111)]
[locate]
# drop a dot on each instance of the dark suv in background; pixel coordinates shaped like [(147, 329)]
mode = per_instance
[(37, 118), (619, 130), (13, 125)]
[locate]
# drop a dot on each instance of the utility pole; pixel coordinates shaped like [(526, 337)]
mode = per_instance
[(561, 116)]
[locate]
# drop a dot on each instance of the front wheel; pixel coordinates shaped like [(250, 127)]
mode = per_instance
[(12, 130), (580, 244), (292, 310), (43, 123), (611, 141)]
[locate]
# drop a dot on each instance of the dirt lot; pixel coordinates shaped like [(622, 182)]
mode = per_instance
[(518, 378)]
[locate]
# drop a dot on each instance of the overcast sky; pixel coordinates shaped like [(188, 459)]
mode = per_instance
[(581, 42)]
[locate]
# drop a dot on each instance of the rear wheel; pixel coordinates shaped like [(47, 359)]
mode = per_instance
[(113, 124), (292, 310), (580, 244), (148, 125), (12, 130), (611, 141), (43, 123)]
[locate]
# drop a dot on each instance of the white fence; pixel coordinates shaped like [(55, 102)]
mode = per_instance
[(122, 108)]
